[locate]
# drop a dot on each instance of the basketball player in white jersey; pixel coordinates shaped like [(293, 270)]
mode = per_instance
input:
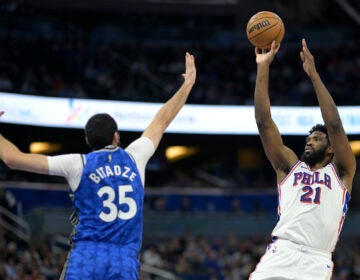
[(313, 192), (107, 186)]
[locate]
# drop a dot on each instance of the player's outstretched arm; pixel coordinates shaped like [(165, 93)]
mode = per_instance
[(281, 157), (344, 158), (171, 108), (15, 159)]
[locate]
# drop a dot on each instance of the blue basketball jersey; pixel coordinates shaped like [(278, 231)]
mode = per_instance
[(109, 200), (108, 219)]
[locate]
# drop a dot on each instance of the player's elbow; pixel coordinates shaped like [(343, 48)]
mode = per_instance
[(263, 122), (12, 161), (260, 123)]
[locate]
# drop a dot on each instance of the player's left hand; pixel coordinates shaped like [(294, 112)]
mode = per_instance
[(1, 113), (190, 69), (307, 59), (265, 57)]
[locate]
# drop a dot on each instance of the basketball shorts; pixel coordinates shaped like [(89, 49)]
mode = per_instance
[(100, 261), (284, 260)]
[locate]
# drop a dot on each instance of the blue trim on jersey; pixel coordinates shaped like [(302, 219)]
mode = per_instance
[(346, 202)]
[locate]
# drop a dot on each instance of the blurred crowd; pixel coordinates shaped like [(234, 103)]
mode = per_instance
[(141, 59), (188, 256), (135, 58), (233, 257)]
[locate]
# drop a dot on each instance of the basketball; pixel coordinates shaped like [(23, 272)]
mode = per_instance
[(263, 28)]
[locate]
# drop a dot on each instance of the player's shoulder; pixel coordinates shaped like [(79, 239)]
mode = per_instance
[(140, 144), (141, 150), (66, 157)]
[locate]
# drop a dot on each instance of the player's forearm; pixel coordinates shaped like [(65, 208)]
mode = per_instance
[(16, 159), (172, 107), (327, 105), (261, 97)]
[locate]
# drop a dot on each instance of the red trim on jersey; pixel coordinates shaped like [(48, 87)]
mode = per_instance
[(290, 172), (341, 224), (340, 182), (279, 191), (343, 196), (342, 219), (337, 176), (339, 230)]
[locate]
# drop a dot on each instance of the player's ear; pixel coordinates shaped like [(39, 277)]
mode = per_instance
[(87, 141), (330, 149), (116, 138)]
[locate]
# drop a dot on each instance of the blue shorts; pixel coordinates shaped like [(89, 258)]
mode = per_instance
[(101, 261)]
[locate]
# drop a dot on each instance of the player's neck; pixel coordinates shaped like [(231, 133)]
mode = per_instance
[(319, 165)]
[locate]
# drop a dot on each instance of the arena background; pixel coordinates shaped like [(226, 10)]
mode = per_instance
[(209, 211)]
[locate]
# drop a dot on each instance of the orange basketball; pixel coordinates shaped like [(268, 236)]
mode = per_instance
[(263, 28)]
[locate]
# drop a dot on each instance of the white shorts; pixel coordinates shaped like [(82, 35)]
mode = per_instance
[(285, 260)]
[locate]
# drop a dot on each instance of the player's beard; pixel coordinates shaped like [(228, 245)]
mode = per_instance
[(314, 157)]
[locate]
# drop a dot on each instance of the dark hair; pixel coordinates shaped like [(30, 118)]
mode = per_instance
[(320, 127), (99, 131)]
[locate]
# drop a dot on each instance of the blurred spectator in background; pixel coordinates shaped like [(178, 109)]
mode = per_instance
[(7, 199)]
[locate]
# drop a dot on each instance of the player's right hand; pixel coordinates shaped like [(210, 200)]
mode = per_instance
[(1, 113), (265, 57)]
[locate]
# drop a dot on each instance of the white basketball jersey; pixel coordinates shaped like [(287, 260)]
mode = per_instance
[(312, 207)]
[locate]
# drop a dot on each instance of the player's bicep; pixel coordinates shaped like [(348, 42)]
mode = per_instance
[(29, 162), (154, 132), (141, 150), (69, 166), (344, 158), (280, 156), (65, 165)]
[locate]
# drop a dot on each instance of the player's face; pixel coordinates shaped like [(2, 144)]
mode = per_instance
[(315, 148)]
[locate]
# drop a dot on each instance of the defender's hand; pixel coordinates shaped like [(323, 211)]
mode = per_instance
[(190, 69)]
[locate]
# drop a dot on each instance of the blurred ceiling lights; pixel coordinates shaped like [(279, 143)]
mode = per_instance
[(44, 147), (175, 153), (355, 146)]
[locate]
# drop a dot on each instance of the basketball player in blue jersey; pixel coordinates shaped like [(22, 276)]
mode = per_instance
[(313, 192), (107, 187)]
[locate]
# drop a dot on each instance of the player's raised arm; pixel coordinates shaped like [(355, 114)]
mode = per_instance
[(15, 159), (279, 155), (171, 108), (344, 159)]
